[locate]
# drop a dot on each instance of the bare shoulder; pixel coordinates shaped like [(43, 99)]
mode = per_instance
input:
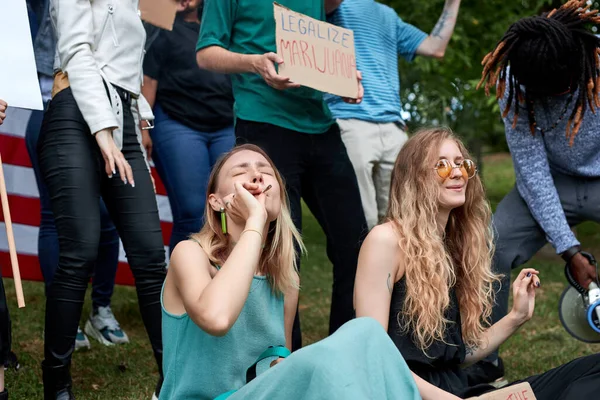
[(381, 247), (383, 236), (188, 254), (189, 270)]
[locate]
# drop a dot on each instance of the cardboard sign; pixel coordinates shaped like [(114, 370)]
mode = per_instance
[(19, 85), (316, 54), (522, 391), (160, 13)]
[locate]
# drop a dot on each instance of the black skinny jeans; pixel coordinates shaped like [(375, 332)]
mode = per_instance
[(72, 167)]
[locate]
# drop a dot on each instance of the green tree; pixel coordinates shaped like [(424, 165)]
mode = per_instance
[(443, 91)]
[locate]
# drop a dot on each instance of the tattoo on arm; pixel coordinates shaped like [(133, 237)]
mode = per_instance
[(437, 29), (389, 283), (471, 351)]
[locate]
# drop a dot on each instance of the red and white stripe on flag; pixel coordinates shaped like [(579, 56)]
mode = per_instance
[(24, 202)]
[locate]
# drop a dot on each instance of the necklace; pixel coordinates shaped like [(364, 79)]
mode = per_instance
[(558, 121)]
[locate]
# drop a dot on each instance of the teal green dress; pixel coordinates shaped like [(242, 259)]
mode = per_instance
[(359, 361), (198, 365)]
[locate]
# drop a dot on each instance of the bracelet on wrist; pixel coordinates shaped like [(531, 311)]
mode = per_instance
[(253, 230)]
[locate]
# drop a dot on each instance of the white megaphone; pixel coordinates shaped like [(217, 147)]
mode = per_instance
[(579, 309)]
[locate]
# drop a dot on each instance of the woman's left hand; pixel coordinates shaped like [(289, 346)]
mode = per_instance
[(524, 294), (113, 158)]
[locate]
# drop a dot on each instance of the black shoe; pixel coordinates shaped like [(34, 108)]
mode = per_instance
[(4, 395), (57, 382), (12, 362), (485, 372), (156, 394)]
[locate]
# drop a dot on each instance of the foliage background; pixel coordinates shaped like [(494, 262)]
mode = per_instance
[(443, 91)]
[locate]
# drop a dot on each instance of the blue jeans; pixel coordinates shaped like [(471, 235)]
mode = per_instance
[(184, 158), (103, 280)]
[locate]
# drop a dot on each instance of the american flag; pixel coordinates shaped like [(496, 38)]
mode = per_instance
[(24, 203)]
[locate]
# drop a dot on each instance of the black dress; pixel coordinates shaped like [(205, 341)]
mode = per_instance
[(576, 380)]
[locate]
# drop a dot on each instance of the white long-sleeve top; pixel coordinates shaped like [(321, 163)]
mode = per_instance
[(101, 42)]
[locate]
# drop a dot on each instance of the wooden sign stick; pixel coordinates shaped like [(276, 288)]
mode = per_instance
[(11, 240)]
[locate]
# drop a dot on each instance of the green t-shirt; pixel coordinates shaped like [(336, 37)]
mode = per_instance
[(248, 27)]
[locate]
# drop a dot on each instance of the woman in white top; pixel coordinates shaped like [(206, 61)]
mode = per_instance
[(90, 147)]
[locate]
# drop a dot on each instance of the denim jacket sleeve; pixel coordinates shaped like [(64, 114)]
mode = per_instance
[(44, 43)]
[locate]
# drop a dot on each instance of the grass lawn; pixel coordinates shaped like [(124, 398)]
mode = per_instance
[(128, 372)]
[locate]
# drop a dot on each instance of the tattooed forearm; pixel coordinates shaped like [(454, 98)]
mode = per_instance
[(437, 29), (389, 283), (470, 351)]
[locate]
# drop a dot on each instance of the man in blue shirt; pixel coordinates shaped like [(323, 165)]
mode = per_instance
[(374, 131)]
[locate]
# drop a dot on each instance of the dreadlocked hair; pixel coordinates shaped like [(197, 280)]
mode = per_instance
[(549, 54)]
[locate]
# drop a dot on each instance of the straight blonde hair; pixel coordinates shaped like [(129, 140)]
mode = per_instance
[(278, 260)]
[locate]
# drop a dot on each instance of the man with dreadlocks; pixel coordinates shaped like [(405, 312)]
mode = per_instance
[(546, 72)]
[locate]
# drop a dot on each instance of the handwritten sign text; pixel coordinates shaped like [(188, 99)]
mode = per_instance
[(316, 54)]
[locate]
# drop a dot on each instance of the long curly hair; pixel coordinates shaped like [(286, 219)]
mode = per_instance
[(459, 257), (278, 260)]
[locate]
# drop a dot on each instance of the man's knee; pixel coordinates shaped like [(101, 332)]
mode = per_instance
[(506, 251)]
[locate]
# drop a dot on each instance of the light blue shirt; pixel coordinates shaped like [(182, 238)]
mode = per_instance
[(380, 36)]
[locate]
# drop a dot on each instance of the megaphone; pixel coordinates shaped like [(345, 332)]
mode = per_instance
[(579, 309)]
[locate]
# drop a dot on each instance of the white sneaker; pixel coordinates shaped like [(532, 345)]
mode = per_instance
[(81, 341), (154, 396), (103, 326)]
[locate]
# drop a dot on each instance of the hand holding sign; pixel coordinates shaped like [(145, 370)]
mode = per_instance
[(316, 54), (264, 66)]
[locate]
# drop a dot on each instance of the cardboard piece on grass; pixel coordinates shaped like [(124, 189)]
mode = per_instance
[(160, 13), (315, 54), (522, 391)]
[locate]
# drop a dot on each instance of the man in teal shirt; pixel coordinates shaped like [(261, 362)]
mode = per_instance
[(294, 126)]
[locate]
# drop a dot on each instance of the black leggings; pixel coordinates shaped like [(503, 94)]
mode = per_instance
[(575, 380), (72, 168)]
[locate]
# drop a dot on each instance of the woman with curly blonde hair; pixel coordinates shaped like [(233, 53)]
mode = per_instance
[(425, 275)]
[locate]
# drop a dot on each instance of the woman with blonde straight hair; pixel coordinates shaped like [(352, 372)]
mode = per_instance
[(425, 275), (229, 302)]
